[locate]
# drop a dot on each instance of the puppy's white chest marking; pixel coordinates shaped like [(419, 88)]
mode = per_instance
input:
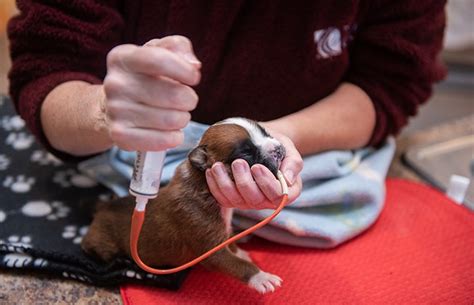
[(227, 216)]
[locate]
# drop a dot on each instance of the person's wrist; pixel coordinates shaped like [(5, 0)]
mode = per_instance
[(99, 112), (282, 126), (101, 123), (278, 126), (73, 119)]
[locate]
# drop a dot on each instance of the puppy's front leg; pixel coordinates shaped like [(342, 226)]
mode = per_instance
[(239, 252), (246, 271)]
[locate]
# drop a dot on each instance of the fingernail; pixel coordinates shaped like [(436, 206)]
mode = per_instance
[(219, 170), (238, 167), (290, 177), (257, 171)]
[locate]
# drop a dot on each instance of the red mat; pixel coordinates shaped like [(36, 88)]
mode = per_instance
[(420, 251)]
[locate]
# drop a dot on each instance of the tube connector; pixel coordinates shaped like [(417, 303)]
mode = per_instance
[(284, 186), (141, 202)]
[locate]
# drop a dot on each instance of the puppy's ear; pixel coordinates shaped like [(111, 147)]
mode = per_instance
[(198, 157)]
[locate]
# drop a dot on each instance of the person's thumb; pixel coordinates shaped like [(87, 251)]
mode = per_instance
[(292, 164)]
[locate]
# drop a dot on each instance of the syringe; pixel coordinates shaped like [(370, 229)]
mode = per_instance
[(146, 177)]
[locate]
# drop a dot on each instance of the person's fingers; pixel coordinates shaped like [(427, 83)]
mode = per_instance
[(292, 164), (226, 185), (137, 115), (148, 94), (144, 139), (245, 184), (215, 191), (153, 62), (159, 92), (178, 44), (153, 43), (267, 183)]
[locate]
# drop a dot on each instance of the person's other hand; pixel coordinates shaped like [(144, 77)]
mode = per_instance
[(148, 93), (256, 187)]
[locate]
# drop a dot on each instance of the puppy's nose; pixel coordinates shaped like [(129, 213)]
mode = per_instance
[(271, 157), (278, 153)]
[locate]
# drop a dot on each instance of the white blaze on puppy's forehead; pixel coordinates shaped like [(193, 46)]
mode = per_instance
[(256, 134)]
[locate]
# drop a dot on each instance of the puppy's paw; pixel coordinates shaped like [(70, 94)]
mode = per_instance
[(264, 282), (243, 255)]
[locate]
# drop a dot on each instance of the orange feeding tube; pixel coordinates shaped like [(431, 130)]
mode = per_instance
[(139, 216)]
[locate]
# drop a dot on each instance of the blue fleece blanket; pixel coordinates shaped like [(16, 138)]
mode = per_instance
[(343, 191)]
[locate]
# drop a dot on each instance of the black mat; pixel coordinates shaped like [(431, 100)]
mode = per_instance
[(45, 209)]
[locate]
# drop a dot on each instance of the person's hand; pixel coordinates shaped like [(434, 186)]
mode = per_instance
[(148, 94), (256, 187)]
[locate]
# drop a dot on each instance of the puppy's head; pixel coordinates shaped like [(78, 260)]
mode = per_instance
[(237, 138)]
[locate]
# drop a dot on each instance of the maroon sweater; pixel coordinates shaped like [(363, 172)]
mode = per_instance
[(261, 59)]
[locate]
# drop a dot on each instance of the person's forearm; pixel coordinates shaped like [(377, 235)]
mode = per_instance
[(343, 120), (73, 120)]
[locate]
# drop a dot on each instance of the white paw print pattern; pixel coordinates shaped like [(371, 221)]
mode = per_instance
[(40, 262), (133, 274), (151, 276), (12, 123), (79, 277), (44, 158), (17, 260), (4, 162), (70, 177), (51, 210), (19, 140), (17, 241), (20, 259), (74, 233), (19, 184), (106, 197)]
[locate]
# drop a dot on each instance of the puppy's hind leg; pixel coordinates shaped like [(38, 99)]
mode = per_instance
[(227, 262), (99, 245)]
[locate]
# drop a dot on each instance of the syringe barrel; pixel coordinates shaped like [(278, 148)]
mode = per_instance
[(147, 174)]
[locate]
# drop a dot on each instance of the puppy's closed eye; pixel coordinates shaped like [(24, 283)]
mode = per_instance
[(247, 151)]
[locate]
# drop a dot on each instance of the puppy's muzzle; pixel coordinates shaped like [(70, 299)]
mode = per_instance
[(273, 158)]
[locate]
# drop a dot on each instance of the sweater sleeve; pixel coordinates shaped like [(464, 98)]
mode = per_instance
[(52, 42), (394, 59)]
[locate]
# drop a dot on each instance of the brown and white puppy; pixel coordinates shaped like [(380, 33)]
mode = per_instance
[(185, 220)]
